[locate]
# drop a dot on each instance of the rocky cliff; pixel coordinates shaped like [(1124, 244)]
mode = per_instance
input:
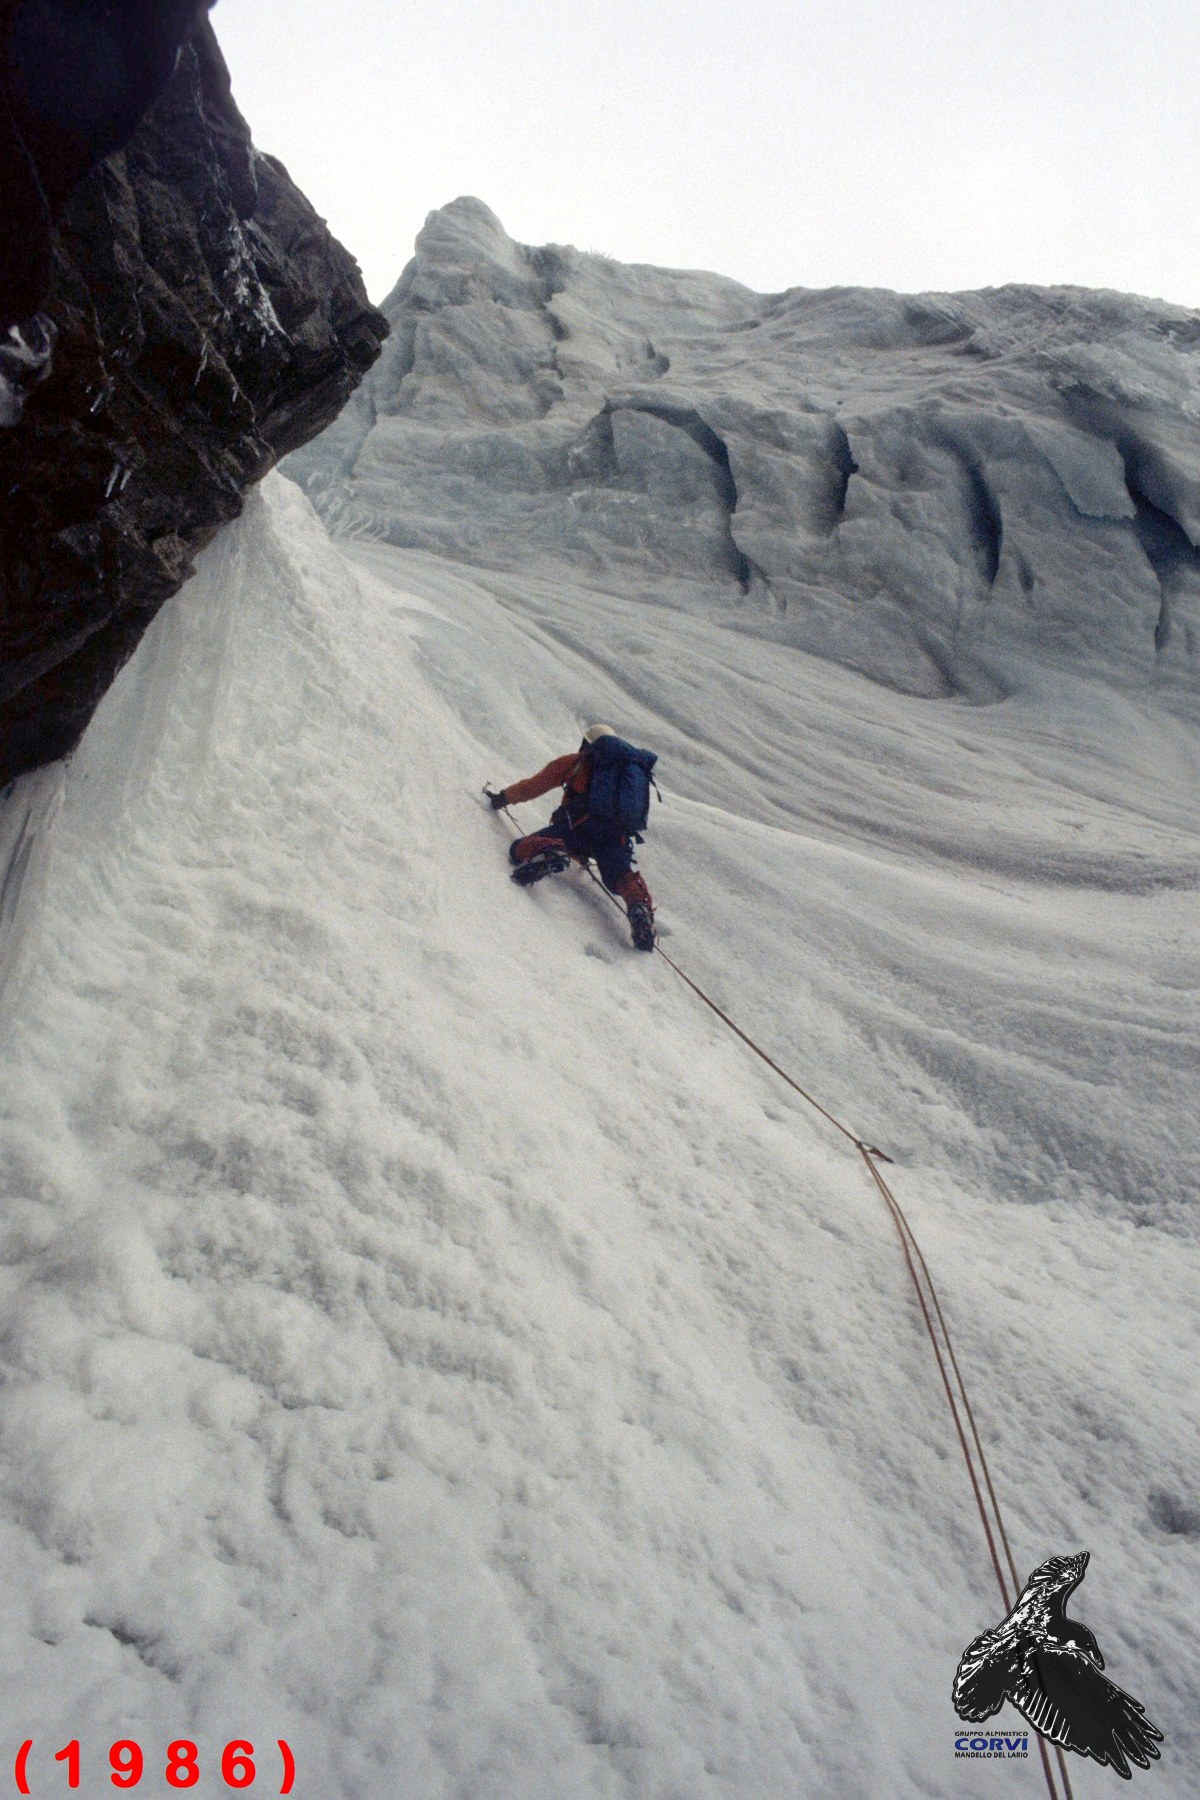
[(206, 323)]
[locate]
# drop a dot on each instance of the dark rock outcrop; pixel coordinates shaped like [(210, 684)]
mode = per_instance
[(207, 323), (76, 76)]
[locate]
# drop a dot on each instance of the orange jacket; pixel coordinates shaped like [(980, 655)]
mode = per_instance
[(573, 773)]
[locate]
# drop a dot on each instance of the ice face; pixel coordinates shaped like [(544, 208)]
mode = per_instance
[(929, 488)]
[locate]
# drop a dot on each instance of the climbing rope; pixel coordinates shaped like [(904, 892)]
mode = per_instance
[(982, 1486)]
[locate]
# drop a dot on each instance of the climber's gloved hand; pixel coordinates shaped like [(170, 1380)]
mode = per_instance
[(497, 799)]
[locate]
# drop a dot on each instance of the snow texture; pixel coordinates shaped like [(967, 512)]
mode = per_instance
[(429, 1336)]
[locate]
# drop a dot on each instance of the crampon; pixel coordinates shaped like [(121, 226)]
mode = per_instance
[(540, 864), (641, 925)]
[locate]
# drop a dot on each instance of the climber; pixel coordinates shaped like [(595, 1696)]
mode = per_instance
[(606, 792)]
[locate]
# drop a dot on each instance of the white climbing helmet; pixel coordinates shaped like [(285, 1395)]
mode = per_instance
[(597, 731)]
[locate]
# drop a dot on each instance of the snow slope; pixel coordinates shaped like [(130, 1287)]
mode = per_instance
[(431, 1338)]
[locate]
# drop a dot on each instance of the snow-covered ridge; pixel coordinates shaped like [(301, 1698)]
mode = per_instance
[(935, 489)]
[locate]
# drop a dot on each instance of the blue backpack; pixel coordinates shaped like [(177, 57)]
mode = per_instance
[(621, 780)]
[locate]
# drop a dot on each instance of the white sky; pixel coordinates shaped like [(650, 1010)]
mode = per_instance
[(914, 144)]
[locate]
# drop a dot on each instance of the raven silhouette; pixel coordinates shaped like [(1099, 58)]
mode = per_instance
[(1049, 1667)]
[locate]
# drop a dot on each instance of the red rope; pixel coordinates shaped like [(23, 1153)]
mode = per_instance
[(931, 1309)]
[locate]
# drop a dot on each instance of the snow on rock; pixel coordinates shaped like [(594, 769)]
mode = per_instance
[(934, 489), (428, 1336)]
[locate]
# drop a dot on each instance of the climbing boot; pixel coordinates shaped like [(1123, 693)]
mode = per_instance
[(540, 864)]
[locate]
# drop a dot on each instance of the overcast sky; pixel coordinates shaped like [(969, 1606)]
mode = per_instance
[(913, 144)]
